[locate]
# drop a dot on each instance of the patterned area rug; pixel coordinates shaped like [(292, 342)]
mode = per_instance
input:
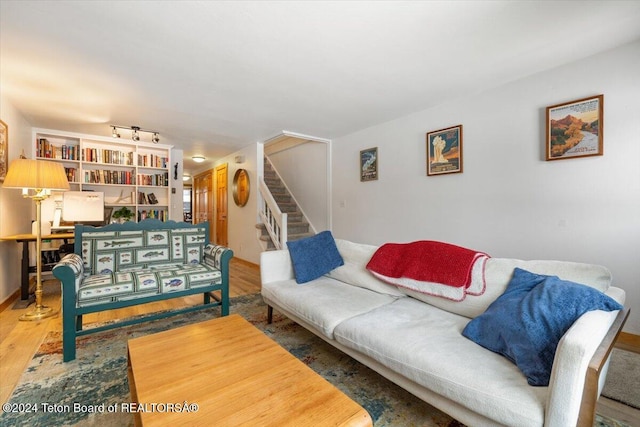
[(81, 392)]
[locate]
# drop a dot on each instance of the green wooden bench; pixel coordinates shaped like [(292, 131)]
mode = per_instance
[(121, 265)]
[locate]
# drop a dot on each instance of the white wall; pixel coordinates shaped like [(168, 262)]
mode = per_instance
[(508, 201), (304, 169), (15, 212), (176, 210), (242, 220)]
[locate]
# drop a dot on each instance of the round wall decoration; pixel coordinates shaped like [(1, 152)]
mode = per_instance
[(241, 187)]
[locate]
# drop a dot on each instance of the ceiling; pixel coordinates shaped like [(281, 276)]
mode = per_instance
[(215, 76)]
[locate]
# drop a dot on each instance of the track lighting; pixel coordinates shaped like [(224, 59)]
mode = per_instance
[(135, 133)]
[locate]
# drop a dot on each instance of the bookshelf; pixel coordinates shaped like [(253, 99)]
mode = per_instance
[(135, 175)]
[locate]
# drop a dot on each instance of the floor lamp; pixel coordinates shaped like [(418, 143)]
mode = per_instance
[(37, 178)]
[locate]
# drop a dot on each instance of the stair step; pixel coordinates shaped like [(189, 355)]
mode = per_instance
[(293, 228), (288, 207), (281, 198), (297, 226)]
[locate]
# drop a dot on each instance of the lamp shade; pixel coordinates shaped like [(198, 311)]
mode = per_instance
[(36, 174)]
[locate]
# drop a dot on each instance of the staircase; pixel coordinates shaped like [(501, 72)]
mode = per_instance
[(297, 225)]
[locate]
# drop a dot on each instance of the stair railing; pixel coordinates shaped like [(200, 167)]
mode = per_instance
[(273, 218)]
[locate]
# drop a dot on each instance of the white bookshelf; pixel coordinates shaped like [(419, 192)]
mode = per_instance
[(129, 173)]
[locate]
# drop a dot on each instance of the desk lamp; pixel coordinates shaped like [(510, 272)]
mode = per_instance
[(37, 178)]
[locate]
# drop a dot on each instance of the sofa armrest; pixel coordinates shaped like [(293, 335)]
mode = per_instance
[(275, 266), (217, 256), (569, 377), (593, 383), (70, 271)]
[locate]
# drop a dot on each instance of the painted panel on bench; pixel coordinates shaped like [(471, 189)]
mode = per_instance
[(125, 258), (105, 262), (146, 281), (151, 255), (101, 287), (157, 238), (118, 243), (172, 283)]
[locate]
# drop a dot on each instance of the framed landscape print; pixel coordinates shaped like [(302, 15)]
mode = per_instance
[(4, 150), (444, 151), (575, 129), (369, 164)]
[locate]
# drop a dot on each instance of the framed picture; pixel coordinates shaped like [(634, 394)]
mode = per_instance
[(444, 151), (369, 164), (4, 150), (575, 129)]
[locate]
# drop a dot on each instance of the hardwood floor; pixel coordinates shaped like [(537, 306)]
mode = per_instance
[(20, 340)]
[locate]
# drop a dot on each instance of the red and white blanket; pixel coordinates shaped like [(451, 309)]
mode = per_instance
[(430, 267)]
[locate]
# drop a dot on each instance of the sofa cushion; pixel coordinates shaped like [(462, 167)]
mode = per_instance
[(498, 272), (138, 283), (424, 344), (314, 256), (105, 252), (354, 272), (324, 302), (526, 323)]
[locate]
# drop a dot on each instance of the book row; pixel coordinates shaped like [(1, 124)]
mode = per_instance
[(160, 214), (147, 199), (65, 152), (109, 177), (115, 157), (47, 150), (153, 161), (71, 174), (159, 179)]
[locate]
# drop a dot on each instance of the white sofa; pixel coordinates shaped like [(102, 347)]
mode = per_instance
[(415, 339)]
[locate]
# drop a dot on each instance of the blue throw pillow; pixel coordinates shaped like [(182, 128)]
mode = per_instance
[(314, 256), (528, 320)]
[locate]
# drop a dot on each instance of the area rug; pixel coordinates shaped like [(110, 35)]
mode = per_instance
[(80, 393), (623, 378)]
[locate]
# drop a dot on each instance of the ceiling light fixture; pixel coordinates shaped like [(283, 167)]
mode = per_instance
[(186, 177), (198, 159), (135, 133)]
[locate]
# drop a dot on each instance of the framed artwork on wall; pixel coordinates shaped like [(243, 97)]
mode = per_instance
[(444, 151), (4, 150), (369, 164), (575, 129)]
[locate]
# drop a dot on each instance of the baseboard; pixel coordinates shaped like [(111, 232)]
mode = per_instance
[(10, 299), (629, 342)]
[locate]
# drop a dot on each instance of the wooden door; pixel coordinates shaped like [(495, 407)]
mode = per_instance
[(203, 199), (221, 205)]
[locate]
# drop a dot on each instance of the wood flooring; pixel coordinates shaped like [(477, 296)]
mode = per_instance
[(20, 340)]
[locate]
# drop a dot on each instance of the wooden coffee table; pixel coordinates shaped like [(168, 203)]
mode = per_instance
[(235, 375)]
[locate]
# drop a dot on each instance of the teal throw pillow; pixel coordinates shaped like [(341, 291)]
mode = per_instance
[(528, 320), (314, 256)]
